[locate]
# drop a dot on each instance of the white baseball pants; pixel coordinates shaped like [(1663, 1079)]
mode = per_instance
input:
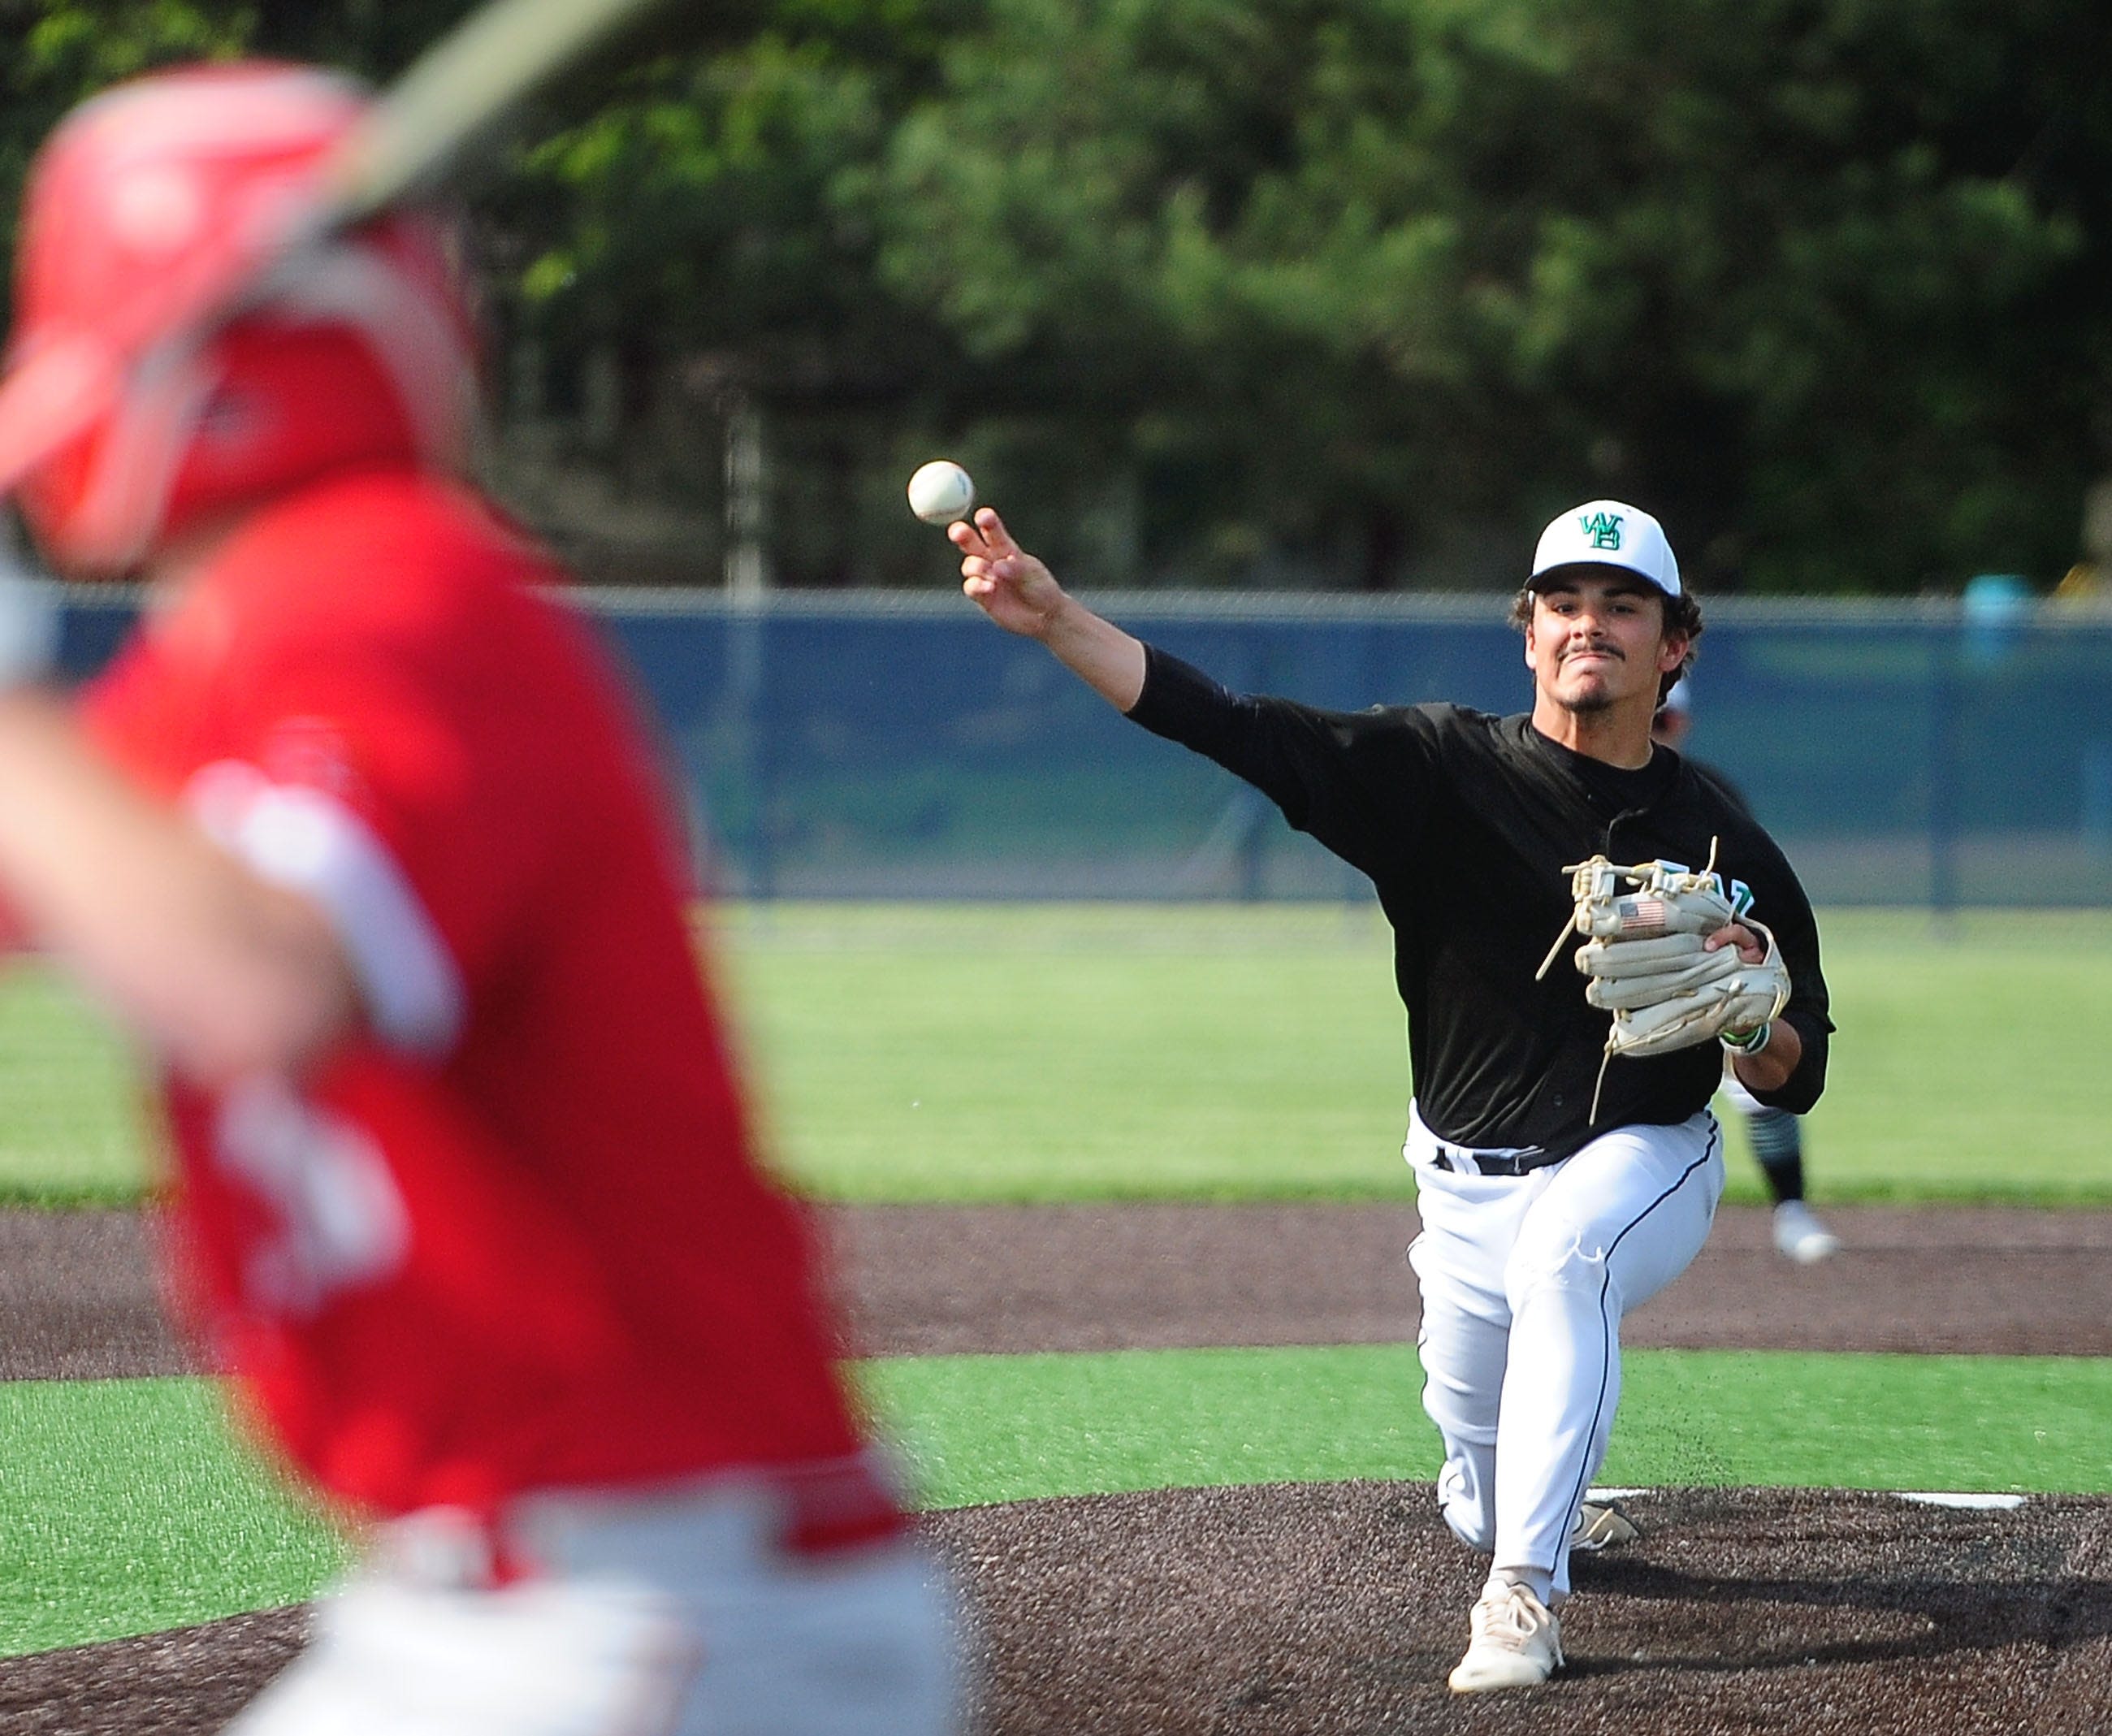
[(1524, 1280), (678, 1613)]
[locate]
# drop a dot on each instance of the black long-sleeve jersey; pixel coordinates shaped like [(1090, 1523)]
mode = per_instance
[(1465, 823)]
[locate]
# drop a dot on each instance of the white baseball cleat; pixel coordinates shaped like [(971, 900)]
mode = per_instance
[(1800, 1235), (1601, 1525), (1516, 1642)]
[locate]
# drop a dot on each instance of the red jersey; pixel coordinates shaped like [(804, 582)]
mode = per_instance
[(512, 1236)]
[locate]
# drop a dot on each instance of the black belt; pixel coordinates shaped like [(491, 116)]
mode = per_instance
[(1491, 1163)]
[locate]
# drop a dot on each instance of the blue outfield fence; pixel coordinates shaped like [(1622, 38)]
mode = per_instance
[(898, 745)]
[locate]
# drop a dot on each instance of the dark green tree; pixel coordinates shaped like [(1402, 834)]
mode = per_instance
[(1292, 292), (1810, 277)]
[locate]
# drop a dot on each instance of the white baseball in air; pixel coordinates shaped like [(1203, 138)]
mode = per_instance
[(942, 492)]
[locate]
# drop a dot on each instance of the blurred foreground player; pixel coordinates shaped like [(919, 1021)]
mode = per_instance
[(1776, 1136), (361, 836)]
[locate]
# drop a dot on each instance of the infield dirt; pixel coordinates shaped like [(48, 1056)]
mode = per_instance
[(1284, 1609)]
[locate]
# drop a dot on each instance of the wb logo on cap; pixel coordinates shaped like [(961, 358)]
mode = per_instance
[(1603, 528)]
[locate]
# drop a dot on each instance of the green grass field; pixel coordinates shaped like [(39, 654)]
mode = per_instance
[(1006, 1052), (1063, 1053), (989, 1052), (74, 1123)]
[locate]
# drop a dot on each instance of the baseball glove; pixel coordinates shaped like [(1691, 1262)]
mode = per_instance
[(1644, 960)]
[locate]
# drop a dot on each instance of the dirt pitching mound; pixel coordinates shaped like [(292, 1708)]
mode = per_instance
[(1295, 1610), (186, 1683), (1335, 1609)]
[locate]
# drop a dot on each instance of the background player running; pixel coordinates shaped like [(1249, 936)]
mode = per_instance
[(1541, 1226), (1775, 1135), (359, 832)]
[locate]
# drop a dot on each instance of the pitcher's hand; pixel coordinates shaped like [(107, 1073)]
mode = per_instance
[(1752, 948), (1007, 584)]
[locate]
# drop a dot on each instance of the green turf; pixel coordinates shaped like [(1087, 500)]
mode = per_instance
[(1059, 1052), (1966, 1060), (73, 1119), (984, 1429), (981, 1428), (999, 1051), (125, 1508)]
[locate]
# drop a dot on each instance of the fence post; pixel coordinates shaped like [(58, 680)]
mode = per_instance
[(1945, 746), (749, 739)]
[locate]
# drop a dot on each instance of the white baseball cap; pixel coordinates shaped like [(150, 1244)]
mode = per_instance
[(1608, 533)]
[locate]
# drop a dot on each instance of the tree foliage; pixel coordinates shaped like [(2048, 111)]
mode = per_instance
[(1813, 278), (1342, 291)]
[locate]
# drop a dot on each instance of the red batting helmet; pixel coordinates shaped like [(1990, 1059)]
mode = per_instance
[(356, 349)]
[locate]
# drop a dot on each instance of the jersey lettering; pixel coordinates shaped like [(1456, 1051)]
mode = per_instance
[(342, 1221)]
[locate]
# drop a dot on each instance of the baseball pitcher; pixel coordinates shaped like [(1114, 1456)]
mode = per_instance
[(1567, 1163)]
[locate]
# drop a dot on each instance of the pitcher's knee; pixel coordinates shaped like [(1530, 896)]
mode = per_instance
[(1465, 1504)]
